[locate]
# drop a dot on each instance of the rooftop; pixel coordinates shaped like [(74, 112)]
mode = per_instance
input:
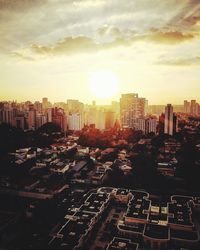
[(122, 244), (157, 232)]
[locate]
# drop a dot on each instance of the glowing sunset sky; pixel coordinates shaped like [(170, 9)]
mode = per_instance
[(52, 47)]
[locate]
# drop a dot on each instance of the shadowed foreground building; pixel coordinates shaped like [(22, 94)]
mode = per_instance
[(146, 223)]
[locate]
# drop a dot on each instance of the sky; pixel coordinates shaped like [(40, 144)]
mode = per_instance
[(51, 48)]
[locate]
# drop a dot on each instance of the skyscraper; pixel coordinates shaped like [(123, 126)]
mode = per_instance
[(191, 108), (75, 122), (59, 117), (146, 125), (109, 119), (44, 102), (170, 120), (20, 122), (131, 108), (74, 106), (151, 125), (194, 108), (32, 117), (186, 107), (7, 116)]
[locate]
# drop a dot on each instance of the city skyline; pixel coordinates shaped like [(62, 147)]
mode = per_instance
[(132, 111), (146, 47), (92, 101)]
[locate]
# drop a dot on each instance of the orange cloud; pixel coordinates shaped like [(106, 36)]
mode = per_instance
[(170, 37), (83, 44)]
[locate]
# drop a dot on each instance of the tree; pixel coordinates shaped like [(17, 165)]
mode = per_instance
[(11, 138), (49, 128)]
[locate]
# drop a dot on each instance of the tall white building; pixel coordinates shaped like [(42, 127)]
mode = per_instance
[(75, 122), (141, 124), (146, 125), (151, 125)]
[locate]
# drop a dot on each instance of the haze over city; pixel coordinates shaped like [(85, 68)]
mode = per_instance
[(66, 49), (99, 124)]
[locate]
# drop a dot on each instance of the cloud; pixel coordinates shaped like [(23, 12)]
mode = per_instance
[(169, 37), (19, 4), (66, 46), (180, 61), (187, 17), (154, 35), (109, 30), (89, 3), (62, 27), (192, 20), (83, 44), (22, 56)]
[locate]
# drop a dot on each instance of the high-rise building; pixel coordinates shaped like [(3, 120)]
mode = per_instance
[(38, 106), (142, 107), (100, 119), (7, 116), (109, 119), (146, 125), (32, 117), (75, 122), (175, 123), (151, 125), (74, 106), (40, 120), (186, 107), (49, 115), (140, 124), (171, 121), (20, 122), (131, 108), (193, 107), (161, 124), (115, 107), (59, 117), (90, 115), (45, 103)]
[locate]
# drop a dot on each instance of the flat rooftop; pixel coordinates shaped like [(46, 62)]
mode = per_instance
[(122, 244), (157, 232), (184, 235), (79, 165)]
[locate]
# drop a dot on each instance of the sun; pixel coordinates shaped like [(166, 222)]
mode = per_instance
[(103, 84)]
